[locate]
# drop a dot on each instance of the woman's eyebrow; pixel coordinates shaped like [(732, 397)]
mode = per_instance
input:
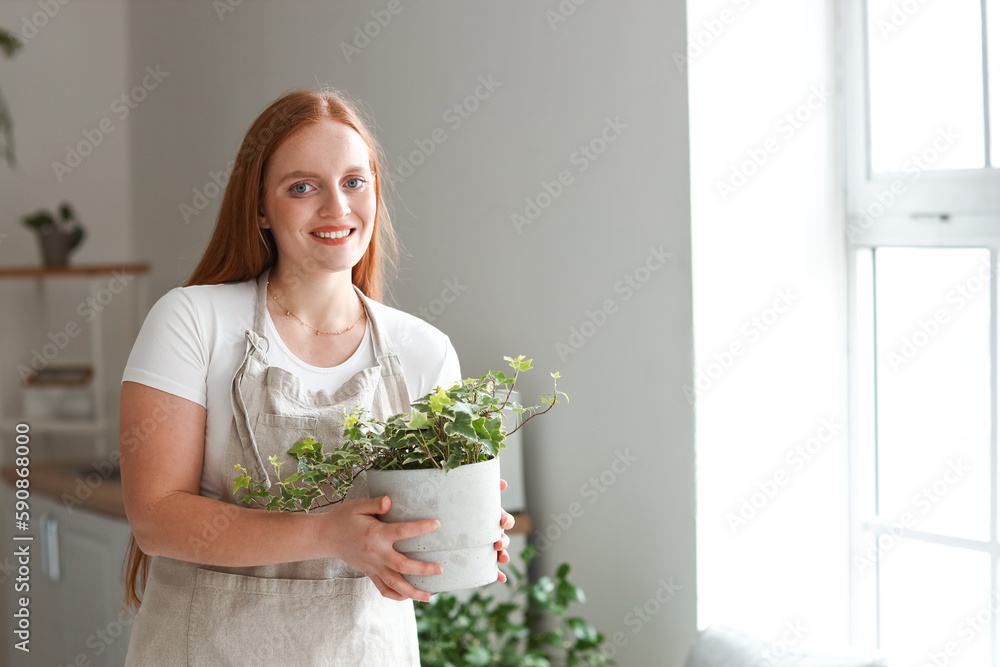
[(307, 174)]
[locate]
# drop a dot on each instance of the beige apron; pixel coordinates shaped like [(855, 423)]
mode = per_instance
[(315, 612)]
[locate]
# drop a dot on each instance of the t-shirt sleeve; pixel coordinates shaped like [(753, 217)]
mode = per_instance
[(170, 353)]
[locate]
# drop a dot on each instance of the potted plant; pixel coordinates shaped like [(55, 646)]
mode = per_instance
[(58, 237), (437, 461), (530, 625), (9, 46)]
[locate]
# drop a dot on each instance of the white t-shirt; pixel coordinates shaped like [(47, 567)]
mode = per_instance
[(193, 341)]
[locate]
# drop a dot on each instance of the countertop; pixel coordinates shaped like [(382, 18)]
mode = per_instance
[(92, 486)]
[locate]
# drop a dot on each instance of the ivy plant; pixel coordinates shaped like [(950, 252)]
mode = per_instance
[(444, 429), (529, 627)]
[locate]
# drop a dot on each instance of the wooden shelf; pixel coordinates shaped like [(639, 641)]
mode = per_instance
[(72, 271), (522, 524), (98, 279)]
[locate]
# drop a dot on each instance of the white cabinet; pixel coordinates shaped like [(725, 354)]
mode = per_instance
[(76, 595)]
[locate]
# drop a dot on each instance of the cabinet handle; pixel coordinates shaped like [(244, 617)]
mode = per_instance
[(50, 526)]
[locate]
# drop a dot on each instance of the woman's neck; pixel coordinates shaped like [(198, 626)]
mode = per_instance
[(321, 299)]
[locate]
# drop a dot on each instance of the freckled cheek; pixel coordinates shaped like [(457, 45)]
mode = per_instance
[(291, 209), (366, 209)]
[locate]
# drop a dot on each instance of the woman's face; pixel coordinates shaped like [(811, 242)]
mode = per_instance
[(319, 198)]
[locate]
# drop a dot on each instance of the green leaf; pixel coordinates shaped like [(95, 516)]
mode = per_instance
[(582, 629), (241, 482), (477, 655), (9, 43), (518, 363), (440, 400), (417, 419), (308, 448), (415, 458), (462, 426), (567, 592)]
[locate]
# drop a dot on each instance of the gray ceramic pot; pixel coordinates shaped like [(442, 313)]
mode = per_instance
[(466, 501)]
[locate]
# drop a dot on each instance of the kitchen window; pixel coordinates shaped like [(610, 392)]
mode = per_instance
[(922, 127)]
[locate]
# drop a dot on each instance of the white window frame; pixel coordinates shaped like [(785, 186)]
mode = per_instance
[(954, 208)]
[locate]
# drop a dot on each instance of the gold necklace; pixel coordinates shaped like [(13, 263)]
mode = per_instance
[(318, 332)]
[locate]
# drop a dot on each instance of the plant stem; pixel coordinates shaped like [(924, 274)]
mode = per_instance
[(510, 389), (423, 443), (555, 399)]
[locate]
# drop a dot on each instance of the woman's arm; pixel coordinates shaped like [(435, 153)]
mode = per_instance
[(162, 448)]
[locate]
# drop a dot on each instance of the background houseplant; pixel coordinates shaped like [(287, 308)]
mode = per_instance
[(58, 237), (9, 45), (530, 626)]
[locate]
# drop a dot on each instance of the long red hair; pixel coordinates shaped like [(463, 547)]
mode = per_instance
[(240, 249)]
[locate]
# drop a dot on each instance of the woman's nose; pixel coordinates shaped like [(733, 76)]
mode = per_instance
[(336, 205)]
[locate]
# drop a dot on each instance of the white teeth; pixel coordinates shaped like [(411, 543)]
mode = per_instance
[(332, 235)]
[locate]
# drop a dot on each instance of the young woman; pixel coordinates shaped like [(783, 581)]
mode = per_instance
[(278, 331)]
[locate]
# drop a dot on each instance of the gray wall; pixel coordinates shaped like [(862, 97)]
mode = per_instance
[(520, 292), (611, 474)]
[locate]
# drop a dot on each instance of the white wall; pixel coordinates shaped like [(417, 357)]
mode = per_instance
[(62, 88), (630, 537), (63, 82), (760, 411)]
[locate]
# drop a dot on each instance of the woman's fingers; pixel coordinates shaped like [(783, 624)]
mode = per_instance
[(403, 588), (401, 531), (360, 539), (385, 590), (406, 565), (502, 543)]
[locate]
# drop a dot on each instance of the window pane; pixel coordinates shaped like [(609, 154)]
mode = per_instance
[(993, 56), (929, 599), (926, 85), (932, 321)]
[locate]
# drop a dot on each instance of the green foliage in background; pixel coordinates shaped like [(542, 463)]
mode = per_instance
[(510, 632), (9, 45), (44, 221)]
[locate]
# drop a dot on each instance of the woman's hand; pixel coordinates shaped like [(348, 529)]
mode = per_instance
[(361, 540), (506, 523)]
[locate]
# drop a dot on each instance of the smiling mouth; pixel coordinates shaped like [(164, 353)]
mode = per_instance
[(332, 235)]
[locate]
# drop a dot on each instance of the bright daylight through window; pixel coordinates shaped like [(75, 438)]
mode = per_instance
[(924, 231)]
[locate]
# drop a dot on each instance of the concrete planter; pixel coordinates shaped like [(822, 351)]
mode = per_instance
[(466, 501)]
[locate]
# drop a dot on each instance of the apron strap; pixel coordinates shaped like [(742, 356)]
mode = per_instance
[(385, 356), (256, 345)]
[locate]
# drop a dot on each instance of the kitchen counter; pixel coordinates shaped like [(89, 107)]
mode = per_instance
[(95, 487), (98, 488)]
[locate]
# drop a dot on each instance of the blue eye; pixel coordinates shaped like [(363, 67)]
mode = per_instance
[(355, 183), (295, 188)]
